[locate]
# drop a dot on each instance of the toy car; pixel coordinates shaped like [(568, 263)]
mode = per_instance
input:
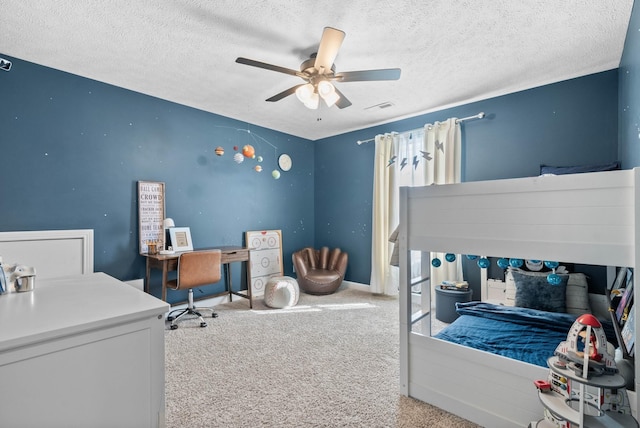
[(542, 385)]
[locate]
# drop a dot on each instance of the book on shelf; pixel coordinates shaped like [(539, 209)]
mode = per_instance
[(626, 299), (628, 332), (454, 285), (620, 279), (615, 290)]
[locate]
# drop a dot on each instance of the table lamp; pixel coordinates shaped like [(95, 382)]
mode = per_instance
[(167, 223)]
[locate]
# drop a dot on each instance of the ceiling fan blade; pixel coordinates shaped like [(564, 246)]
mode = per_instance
[(368, 75), (343, 102), (283, 94), (264, 65), (328, 49)]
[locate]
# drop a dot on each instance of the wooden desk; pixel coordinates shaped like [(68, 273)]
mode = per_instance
[(169, 262)]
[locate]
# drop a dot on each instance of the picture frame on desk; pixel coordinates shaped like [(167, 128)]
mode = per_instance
[(181, 239)]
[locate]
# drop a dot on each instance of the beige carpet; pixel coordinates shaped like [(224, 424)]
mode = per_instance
[(330, 361)]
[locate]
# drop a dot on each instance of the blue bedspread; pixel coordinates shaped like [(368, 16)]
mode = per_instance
[(521, 333)]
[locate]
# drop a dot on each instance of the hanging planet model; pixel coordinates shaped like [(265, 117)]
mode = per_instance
[(284, 162)]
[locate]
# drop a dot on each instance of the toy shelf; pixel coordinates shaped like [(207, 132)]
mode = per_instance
[(568, 410)]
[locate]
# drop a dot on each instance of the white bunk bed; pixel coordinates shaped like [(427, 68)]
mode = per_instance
[(582, 218)]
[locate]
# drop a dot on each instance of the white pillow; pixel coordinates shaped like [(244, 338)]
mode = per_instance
[(577, 291)]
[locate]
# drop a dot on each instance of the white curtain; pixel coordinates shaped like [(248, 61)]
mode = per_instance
[(416, 158), (443, 139), (384, 279)]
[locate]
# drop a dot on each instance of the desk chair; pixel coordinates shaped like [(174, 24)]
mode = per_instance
[(195, 268)]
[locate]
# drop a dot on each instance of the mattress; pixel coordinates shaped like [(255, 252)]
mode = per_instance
[(524, 334)]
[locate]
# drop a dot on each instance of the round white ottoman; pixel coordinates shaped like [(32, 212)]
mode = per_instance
[(281, 292)]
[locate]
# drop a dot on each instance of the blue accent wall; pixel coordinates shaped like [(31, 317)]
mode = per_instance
[(574, 122), (629, 90), (73, 150)]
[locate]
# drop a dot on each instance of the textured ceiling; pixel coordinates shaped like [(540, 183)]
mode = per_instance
[(451, 52)]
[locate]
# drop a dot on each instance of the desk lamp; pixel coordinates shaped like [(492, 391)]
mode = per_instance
[(167, 223)]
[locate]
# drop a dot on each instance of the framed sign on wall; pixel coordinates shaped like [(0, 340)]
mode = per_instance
[(151, 214)]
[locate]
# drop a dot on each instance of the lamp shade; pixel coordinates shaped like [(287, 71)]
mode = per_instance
[(331, 99), (305, 92), (325, 88), (313, 102), (167, 223), (328, 92)]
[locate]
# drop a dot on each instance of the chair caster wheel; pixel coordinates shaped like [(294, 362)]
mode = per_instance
[(214, 315), (203, 324), (173, 326), (169, 319)]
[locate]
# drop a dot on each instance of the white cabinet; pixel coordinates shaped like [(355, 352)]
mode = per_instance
[(496, 291), (82, 351)]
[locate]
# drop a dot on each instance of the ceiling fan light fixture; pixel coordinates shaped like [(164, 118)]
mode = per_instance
[(305, 92), (328, 92), (325, 88), (318, 72), (313, 101), (331, 98)]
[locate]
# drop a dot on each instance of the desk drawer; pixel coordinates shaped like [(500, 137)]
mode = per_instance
[(239, 255)]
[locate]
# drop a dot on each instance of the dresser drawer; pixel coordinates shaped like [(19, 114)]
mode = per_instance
[(239, 255)]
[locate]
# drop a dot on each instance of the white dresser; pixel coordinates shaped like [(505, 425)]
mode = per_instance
[(82, 351)]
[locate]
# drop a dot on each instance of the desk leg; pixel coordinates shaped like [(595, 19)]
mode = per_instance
[(147, 277), (227, 279), (165, 265), (249, 286)]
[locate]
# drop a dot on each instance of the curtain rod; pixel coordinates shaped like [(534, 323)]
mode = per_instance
[(480, 115), (477, 116)]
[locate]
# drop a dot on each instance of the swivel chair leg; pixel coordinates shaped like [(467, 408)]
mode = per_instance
[(189, 310), (186, 311)]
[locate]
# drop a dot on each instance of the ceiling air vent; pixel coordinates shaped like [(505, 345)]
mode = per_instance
[(381, 106)]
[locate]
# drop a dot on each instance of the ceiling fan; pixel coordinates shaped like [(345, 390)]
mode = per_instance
[(318, 72)]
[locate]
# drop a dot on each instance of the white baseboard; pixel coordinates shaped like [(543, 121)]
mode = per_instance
[(357, 286), (139, 284)]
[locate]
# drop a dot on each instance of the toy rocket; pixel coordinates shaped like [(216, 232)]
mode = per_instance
[(579, 352), (583, 387)]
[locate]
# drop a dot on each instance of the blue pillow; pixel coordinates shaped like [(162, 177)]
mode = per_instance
[(535, 292)]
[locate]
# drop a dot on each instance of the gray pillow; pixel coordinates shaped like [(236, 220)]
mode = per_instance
[(577, 291), (535, 292)]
